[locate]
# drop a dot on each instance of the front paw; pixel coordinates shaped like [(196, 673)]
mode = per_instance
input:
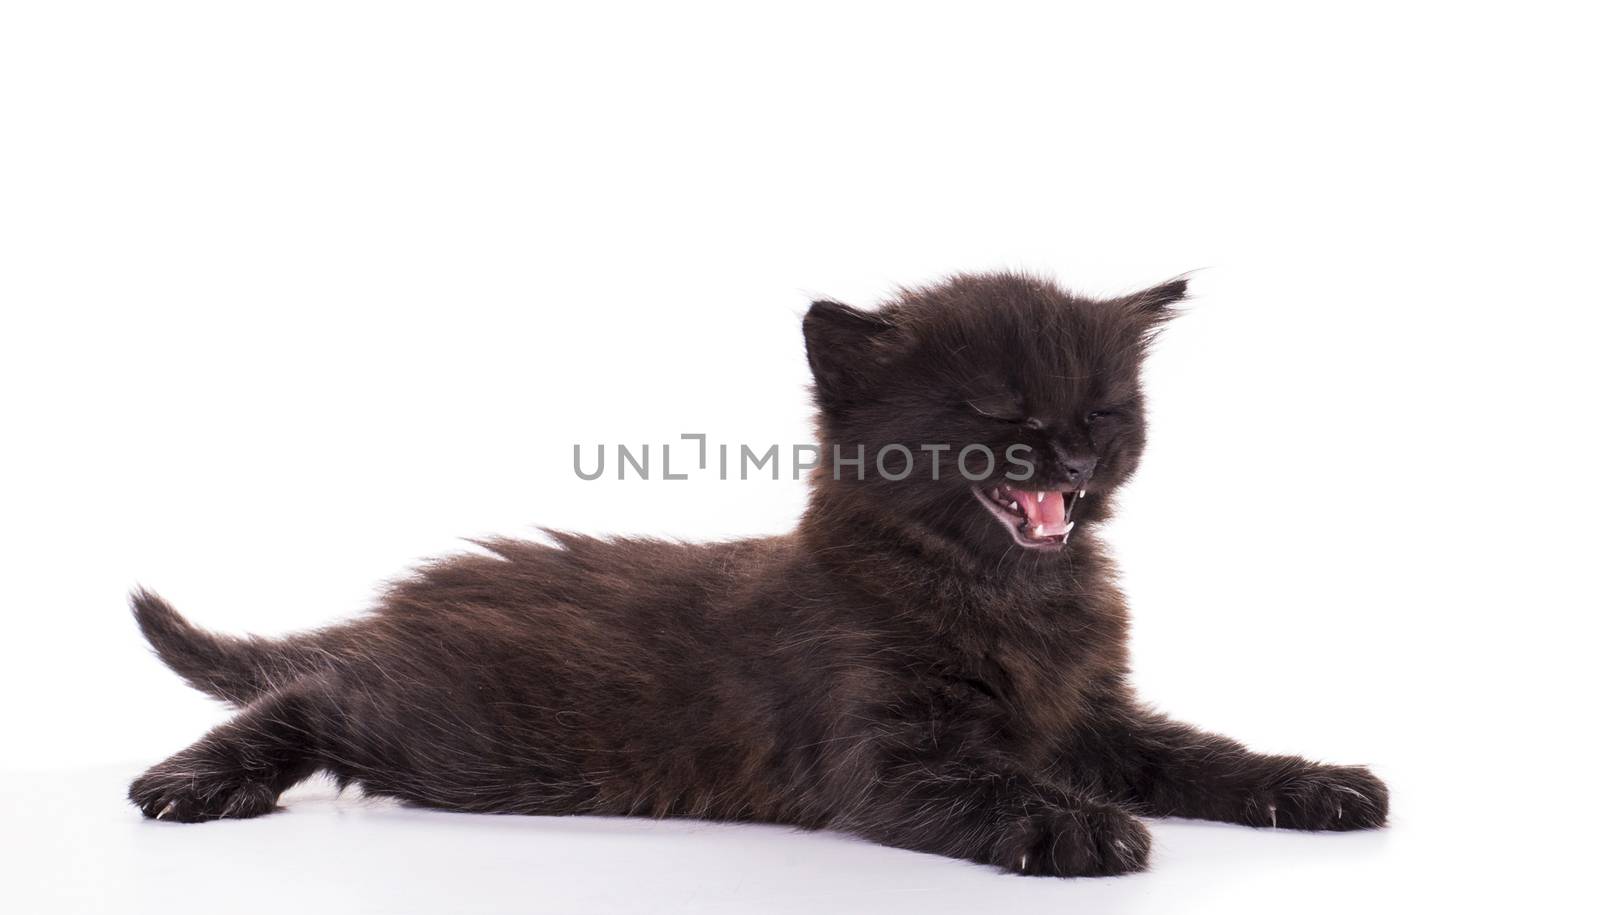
[(1091, 840), (1322, 797)]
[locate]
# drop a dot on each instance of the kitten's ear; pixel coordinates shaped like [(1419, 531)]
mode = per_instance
[(842, 345), (1155, 306), (1156, 302)]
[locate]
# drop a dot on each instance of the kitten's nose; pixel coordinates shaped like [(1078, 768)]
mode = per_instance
[(1074, 470)]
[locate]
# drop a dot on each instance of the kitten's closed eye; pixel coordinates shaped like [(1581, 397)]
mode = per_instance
[(1002, 407)]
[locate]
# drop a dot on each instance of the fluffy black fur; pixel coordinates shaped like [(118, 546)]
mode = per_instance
[(902, 667)]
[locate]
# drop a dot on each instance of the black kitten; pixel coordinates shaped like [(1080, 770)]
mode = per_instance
[(935, 660)]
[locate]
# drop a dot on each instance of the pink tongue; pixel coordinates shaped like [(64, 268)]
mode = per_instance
[(1046, 518)]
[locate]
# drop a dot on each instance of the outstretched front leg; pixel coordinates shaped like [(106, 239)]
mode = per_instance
[(239, 768), (1167, 768), (1006, 819)]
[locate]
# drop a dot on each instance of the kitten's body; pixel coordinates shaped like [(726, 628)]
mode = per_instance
[(901, 667)]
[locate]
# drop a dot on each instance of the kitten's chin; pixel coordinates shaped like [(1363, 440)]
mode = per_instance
[(1036, 519)]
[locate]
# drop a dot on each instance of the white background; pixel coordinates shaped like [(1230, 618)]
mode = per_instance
[(296, 294)]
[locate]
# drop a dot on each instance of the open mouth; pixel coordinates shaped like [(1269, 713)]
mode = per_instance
[(1039, 519)]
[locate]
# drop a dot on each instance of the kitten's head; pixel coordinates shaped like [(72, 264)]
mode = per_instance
[(930, 385)]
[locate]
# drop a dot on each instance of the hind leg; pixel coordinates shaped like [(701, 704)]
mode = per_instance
[(239, 768)]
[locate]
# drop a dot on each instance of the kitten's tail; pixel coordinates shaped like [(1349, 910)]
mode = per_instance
[(232, 669)]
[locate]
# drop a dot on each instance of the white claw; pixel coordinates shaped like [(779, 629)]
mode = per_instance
[(167, 809), (1272, 811), (1024, 865)]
